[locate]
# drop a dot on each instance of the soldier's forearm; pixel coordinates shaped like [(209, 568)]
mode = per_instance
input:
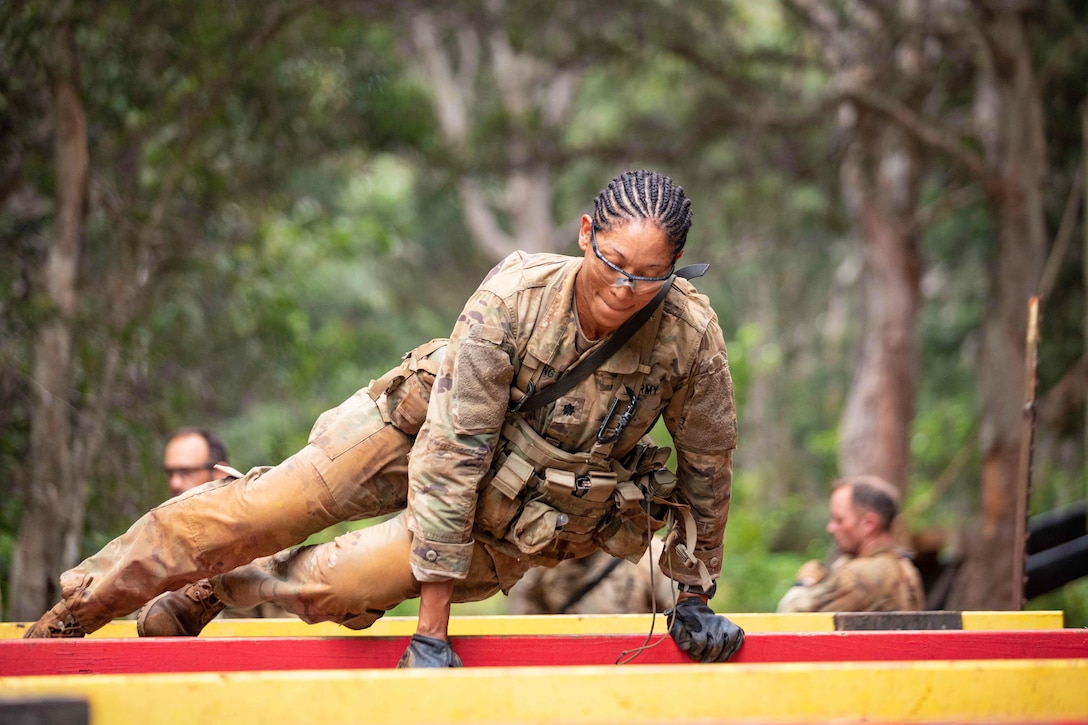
[(434, 609)]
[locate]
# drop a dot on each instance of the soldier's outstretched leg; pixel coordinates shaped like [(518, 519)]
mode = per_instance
[(355, 467), (352, 580)]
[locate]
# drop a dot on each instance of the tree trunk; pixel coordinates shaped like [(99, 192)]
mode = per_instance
[(881, 174), (516, 213), (1010, 120), (54, 512), (868, 51)]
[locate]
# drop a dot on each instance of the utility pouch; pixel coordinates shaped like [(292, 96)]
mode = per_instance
[(501, 496), (411, 410), (624, 538), (585, 500), (407, 389), (542, 453), (626, 534), (593, 487), (537, 527)]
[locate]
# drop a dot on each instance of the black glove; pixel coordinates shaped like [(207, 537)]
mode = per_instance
[(428, 652), (704, 635)]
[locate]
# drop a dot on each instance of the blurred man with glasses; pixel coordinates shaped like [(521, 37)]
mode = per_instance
[(190, 459)]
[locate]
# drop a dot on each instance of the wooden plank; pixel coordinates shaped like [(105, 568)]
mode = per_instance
[(996, 691), (551, 624), (170, 654)]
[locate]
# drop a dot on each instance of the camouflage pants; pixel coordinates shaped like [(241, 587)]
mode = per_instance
[(354, 467)]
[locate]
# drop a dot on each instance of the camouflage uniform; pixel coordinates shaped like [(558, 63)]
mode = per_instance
[(884, 580), (459, 522), (596, 584)]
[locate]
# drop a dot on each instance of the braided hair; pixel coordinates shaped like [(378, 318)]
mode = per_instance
[(645, 195)]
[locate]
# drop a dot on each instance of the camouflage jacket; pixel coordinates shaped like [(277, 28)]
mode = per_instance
[(884, 580), (511, 319)]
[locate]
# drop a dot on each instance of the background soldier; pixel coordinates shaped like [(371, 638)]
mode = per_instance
[(190, 459), (871, 573)]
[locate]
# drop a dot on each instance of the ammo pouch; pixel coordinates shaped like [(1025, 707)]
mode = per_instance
[(407, 388), (548, 502), (641, 503)]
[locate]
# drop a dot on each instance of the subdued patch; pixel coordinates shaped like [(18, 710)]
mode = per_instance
[(703, 429), (479, 396)]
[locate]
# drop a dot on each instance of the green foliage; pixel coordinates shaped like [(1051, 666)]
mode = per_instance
[(1071, 600), (754, 577), (944, 448)]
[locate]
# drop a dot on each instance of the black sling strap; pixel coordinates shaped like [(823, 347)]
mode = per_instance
[(589, 586), (533, 399)]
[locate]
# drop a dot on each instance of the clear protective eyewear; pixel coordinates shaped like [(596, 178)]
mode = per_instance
[(636, 282)]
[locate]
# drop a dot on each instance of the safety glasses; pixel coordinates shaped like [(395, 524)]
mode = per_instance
[(635, 282)]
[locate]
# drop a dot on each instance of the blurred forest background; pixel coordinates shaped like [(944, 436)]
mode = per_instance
[(234, 214)]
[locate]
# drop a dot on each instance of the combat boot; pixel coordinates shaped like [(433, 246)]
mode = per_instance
[(179, 614), (57, 622)]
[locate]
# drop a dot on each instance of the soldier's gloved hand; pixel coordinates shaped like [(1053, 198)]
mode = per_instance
[(426, 651), (704, 635)]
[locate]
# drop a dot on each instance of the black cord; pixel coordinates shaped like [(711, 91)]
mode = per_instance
[(629, 655)]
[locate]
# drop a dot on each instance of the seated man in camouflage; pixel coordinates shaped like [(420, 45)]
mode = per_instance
[(871, 573)]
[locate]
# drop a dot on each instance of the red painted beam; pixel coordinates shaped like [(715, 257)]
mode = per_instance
[(169, 654)]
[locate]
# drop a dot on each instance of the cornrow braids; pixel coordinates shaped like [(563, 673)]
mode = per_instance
[(645, 195)]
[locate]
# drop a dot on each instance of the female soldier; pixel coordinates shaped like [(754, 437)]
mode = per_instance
[(518, 442)]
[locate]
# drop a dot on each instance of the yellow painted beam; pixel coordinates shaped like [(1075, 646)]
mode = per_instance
[(1013, 620), (550, 624), (1008, 691)]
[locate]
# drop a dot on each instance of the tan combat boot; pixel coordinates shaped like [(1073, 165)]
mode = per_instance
[(179, 614), (57, 622)]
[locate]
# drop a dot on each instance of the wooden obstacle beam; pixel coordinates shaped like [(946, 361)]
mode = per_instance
[(571, 624), (178, 654), (911, 693)]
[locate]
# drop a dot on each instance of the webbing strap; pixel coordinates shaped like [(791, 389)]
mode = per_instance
[(685, 549), (595, 359), (413, 361), (542, 454)]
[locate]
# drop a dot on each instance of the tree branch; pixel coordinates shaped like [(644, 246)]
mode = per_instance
[(926, 133), (1063, 237)]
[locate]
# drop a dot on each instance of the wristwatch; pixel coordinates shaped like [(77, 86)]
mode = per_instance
[(696, 589)]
